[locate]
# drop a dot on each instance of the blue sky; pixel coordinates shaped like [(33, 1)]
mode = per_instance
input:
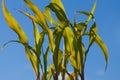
[(15, 66)]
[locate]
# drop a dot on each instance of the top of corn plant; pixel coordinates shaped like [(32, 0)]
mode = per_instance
[(72, 35)]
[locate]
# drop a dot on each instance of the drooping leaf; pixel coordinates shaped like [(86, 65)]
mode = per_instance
[(95, 37), (31, 56), (103, 47), (84, 12), (13, 24)]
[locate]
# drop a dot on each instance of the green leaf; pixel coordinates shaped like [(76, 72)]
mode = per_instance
[(39, 38), (73, 62), (91, 13), (49, 17), (60, 14), (68, 40), (34, 60), (93, 33), (57, 55), (71, 76), (45, 57), (28, 15), (78, 29), (32, 57), (58, 2), (103, 47), (84, 12), (95, 37), (50, 73), (38, 14), (41, 21), (13, 24)]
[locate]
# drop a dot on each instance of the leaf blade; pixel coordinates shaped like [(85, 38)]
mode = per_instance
[(13, 24)]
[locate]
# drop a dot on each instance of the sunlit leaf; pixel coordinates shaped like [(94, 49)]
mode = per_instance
[(103, 47), (38, 14), (34, 60), (28, 15), (49, 17), (73, 62), (39, 38), (13, 24), (68, 40), (71, 76), (91, 13), (58, 2), (60, 14), (41, 21), (95, 37), (50, 71), (32, 57)]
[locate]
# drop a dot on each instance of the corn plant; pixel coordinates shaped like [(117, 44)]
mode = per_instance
[(62, 30)]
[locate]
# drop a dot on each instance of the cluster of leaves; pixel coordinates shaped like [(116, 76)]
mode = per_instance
[(72, 34)]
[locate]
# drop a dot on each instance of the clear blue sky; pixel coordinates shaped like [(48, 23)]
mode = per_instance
[(15, 66)]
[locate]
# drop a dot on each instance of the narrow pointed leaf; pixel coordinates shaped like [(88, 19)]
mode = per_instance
[(38, 14), (103, 47), (13, 24), (91, 13), (34, 60), (84, 12), (28, 15), (45, 57), (39, 38)]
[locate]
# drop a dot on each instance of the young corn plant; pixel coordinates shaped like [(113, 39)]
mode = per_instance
[(64, 32)]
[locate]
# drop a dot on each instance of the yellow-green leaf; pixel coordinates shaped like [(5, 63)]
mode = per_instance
[(41, 21), (58, 2), (50, 73), (13, 24), (39, 38), (34, 60), (68, 40), (91, 13), (73, 62), (38, 14), (29, 16), (49, 17), (60, 14), (103, 47)]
